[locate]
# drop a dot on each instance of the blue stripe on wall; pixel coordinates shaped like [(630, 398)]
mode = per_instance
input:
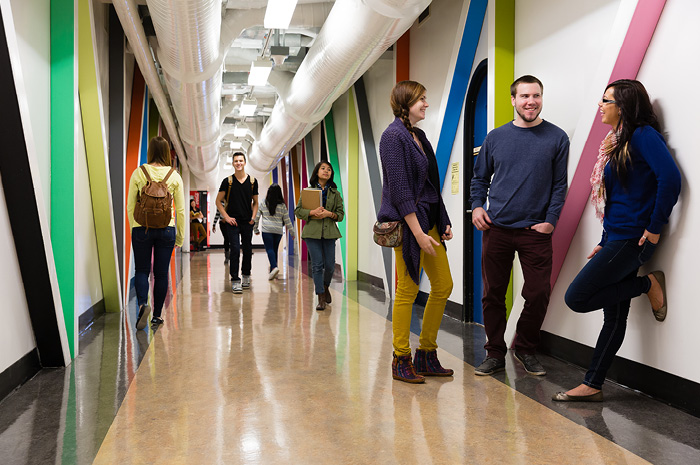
[(460, 81), (143, 156)]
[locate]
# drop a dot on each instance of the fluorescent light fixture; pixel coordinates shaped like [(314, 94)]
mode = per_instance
[(240, 130), (279, 13), (228, 166), (259, 72), (248, 106), (236, 145)]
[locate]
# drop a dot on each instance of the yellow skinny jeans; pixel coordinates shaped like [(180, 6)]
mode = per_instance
[(438, 270)]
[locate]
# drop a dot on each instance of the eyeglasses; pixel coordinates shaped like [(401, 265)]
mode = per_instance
[(605, 100)]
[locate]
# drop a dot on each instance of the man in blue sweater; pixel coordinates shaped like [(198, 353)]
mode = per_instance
[(521, 171)]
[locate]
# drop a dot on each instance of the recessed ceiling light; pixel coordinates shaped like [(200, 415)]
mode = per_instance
[(279, 13)]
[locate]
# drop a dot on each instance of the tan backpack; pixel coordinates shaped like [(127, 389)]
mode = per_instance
[(154, 203)]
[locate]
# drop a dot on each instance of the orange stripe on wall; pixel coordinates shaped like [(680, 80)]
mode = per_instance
[(403, 47), (133, 147)]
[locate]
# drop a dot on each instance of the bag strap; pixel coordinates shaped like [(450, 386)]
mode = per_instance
[(145, 171), (228, 193), (252, 182), (165, 179)]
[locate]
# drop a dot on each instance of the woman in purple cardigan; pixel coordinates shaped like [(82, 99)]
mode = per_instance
[(411, 192)]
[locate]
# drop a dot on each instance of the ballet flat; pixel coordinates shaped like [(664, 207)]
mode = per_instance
[(564, 397)]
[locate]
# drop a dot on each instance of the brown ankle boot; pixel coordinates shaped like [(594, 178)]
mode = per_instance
[(321, 302), (402, 369), (327, 294)]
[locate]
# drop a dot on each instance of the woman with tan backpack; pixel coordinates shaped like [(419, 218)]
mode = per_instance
[(153, 189)]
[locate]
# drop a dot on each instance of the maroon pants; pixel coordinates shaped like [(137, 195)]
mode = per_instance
[(535, 254)]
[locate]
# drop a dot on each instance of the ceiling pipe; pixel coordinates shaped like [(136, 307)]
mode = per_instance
[(353, 37), (127, 11), (193, 41)]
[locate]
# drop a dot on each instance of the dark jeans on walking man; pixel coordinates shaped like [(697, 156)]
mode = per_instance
[(535, 255), (159, 244), (240, 238)]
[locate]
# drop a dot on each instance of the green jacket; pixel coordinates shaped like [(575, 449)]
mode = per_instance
[(325, 228)]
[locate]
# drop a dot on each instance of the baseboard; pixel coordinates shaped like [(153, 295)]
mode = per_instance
[(666, 387), (369, 279), (19, 373), (90, 315), (452, 309)]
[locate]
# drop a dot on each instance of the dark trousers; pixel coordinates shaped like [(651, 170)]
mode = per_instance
[(224, 233), (322, 253), (240, 237), (155, 244), (609, 281), (535, 255), (272, 244)]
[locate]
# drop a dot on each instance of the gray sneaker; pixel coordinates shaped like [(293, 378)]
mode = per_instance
[(246, 282), (236, 287), (531, 364), (490, 366)]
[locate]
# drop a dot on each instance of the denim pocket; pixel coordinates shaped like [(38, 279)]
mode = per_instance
[(646, 251), (139, 234)]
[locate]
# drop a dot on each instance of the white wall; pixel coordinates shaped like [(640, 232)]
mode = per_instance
[(16, 335), (378, 80), (32, 24)]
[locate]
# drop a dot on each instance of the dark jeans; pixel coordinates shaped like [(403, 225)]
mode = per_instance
[(535, 254), (224, 232), (322, 262), (156, 244), (272, 244), (240, 237), (609, 281)]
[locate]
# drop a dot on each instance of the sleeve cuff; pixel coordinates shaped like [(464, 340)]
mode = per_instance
[(406, 208), (552, 219)]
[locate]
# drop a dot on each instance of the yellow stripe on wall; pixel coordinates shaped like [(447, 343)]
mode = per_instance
[(100, 190)]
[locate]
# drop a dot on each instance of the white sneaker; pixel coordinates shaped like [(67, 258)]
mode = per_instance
[(236, 287), (246, 282), (273, 274)]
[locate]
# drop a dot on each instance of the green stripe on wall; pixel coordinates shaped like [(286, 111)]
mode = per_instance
[(97, 162), (351, 207), (504, 71), (153, 119), (333, 158), (63, 93)]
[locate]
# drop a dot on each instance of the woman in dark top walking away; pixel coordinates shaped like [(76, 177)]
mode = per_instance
[(411, 193), (635, 185), (321, 230)]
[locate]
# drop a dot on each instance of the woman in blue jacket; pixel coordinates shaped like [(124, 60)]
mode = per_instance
[(635, 185), (411, 193)]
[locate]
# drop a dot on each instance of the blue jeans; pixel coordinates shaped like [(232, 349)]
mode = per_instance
[(272, 244), (609, 281), (152, 248), (240, 237), (322, 262)]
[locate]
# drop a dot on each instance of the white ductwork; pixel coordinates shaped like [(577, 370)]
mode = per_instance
[(192, 44), (353, 37), (127, 11)]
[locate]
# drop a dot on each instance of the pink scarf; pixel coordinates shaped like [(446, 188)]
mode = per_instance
[(598, 197)]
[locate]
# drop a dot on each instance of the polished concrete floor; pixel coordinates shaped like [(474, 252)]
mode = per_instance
[(264, 378)]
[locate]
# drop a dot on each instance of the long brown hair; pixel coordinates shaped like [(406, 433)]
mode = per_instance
[(635, 110), (159, 151), (403, 96)]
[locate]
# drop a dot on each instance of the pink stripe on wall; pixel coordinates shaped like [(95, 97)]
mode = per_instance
[(646, 17)]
